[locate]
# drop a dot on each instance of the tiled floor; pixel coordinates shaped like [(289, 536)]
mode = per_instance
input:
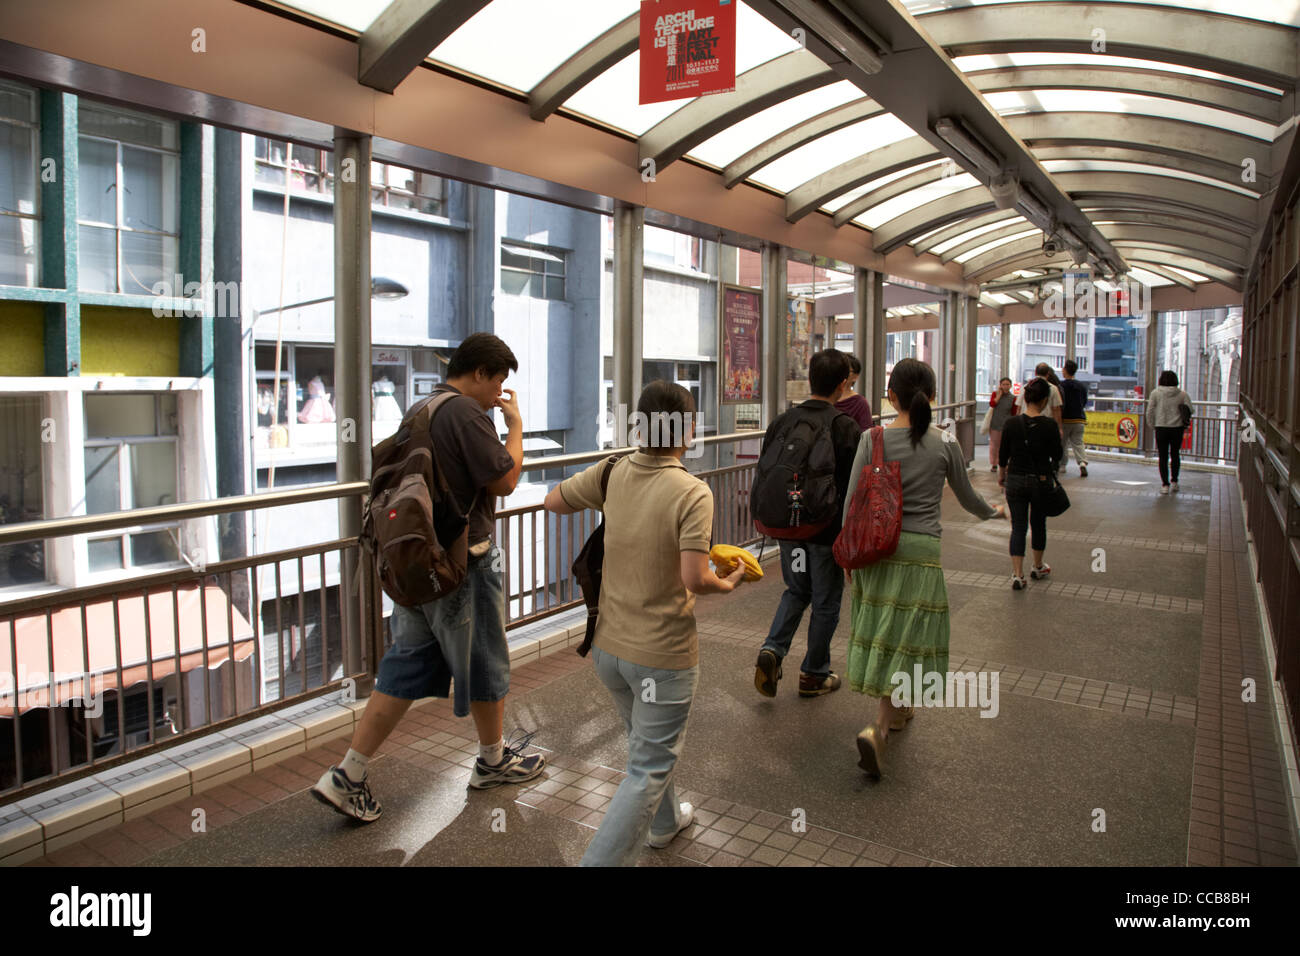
[(1105, 704)]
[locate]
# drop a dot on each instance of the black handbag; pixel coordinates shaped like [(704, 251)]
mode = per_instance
[(1049, 493), (589, 565)]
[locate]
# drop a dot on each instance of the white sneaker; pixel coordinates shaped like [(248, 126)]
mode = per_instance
[(660, 840), (1164, 489)]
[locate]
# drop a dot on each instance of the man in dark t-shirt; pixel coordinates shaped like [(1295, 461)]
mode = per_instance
[(1074, 397), (459, 640), (808, 567)]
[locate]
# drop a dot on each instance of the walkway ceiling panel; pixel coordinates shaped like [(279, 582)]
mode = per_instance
[(964, 230), (1233, 46), (1226, 265), (1217, 94), (798, 135), (1134, 103), (1188, 239), (895, 187), (1088, 188), (955, 207), (1030, 260), (616, 43), (1153, 210), (1010, 251), (1055, 158), (1158, 257), (913, 199), (743, 137), (1180, 220), (858, 171), (402, 37), (872, 137), (1155, 276), (1014, 230), (767, 85)]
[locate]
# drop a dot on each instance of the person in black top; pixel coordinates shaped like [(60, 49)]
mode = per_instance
[(808, 566), (1031, 448)]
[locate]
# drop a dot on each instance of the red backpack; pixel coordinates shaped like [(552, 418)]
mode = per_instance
[(875, 518)]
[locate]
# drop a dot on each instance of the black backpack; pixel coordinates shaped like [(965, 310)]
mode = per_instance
[(589, 565), (411, 525), (794, 494)]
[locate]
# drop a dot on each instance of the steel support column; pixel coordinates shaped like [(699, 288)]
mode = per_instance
[(775, 360), (352, 377), (1071, 324), (970, 351), (1005, 352), (629, 341), (869, 335), (945, 369)]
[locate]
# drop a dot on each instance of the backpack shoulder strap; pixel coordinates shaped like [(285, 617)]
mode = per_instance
[(604, 476)]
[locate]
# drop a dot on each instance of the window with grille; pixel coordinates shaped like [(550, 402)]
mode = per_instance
[(533, 271)]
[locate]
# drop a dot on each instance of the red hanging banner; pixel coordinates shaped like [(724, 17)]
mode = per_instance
[(688, 48)]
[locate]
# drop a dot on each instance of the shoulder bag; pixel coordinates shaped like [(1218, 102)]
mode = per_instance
[(875, 520)]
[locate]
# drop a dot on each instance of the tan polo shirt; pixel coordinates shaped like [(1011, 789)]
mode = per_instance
[(655, 510)]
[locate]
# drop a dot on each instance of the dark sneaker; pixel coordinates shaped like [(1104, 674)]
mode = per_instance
[(515, 767), (810, 685), (336, 789), (1083, 471), (767, 672)]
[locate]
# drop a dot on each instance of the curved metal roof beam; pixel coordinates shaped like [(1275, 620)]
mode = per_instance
[(400, 38), (1202, 90), (615, 44), (891, 190), (952, 232), (1169, 274), (1251, 50), (1008, 251), (1153, 215), (962, 204), (1140, 256), (1185, 162), (1195, 242), (1031, 260), (858, 171), (1222, 263), (1214, 152), (1003, 234), (1089, 188), (787, 141), (773, 82)]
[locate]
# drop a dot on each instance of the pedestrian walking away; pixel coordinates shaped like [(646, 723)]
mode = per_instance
[(807, 565), (1031, 447), (1074, 418), (1169, 412), (460, 639), (658, 524), (900, 620)]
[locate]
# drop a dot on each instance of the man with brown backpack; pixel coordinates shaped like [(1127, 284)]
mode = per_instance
[(460, 636)]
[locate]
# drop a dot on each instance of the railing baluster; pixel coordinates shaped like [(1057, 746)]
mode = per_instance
[(207, 655), (282, 674), (180, 674), (324, 618), (121, 682), (302, 625), (52, 678), (87, 677), (255, 619), (148, 650), (18, 695)]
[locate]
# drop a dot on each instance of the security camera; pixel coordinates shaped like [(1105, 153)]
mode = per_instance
[(1051, 247)]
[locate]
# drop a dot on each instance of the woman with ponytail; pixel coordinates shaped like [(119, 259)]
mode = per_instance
[(900, 605)]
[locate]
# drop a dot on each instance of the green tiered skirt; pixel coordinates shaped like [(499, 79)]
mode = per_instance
[(899, 617)]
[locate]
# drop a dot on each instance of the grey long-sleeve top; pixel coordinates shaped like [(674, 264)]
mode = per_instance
[(1162, 406), (922, 470)]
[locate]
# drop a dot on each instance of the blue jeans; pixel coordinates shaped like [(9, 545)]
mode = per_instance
[(461, 636), (819, 582), (654, 704)]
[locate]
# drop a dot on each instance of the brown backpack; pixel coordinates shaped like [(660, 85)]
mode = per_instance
[(411, 524)]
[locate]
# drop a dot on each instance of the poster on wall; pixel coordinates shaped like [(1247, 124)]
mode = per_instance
[(742, 345), (1112, 429), (688, 49), (799, 348)]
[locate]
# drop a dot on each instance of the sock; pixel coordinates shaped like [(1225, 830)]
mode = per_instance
[(354, 765), (492, 754)]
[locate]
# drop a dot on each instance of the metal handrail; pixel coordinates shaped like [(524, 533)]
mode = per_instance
[(590, 457), (83, 524)]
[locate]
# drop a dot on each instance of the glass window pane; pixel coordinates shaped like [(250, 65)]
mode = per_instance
[(117, 416), (554, 288), (153, 474), (19, 251), (514, 283), (17, 103), (17, 169), (154, 547), (103, 480), (21, 487), (146, 260), (96, 259), (126, 125), (150, 199), (105, 554), (97, 182)]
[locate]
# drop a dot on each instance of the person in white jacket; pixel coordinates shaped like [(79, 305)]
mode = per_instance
[(1165, 416)]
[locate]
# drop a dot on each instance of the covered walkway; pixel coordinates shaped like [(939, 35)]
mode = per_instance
[(1119, 690)]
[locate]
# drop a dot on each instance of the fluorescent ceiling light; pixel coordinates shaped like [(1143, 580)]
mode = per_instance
[(959, 138)]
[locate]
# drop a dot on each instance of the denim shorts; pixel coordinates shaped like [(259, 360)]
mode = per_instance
[(460, 640)]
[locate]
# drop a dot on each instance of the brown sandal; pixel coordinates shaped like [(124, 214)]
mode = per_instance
[(902, 717)]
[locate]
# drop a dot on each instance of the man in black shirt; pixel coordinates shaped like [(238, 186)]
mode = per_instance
[(1074, 397), (808, 566)]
